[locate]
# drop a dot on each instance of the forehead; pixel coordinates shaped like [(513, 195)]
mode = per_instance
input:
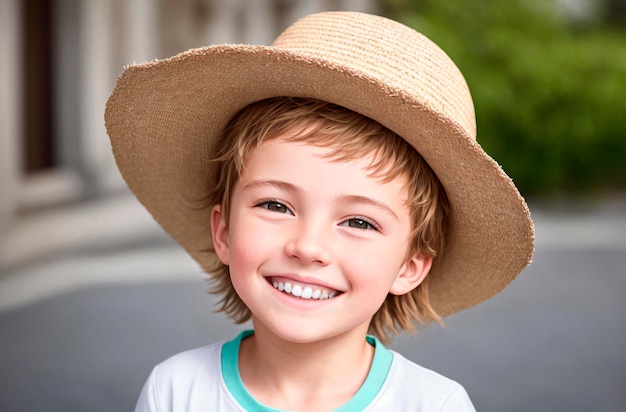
[(381, 154), (320, 168)]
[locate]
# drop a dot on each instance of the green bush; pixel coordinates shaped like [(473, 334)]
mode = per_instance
[(550, 97)]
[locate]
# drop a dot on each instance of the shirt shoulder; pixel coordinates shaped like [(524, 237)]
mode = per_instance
[(190, 380), (411, 387), (191, 363)]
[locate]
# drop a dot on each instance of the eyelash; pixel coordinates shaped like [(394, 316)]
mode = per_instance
[(372, 225), (265, 204)]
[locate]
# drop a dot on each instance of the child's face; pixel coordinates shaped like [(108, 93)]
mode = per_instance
[(335, 235)]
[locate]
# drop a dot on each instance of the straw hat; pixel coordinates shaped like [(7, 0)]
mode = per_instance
[(163, 117)]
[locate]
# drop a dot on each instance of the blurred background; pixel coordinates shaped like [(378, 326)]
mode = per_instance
[(93, 294)]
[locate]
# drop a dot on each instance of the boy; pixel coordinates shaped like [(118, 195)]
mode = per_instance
[(318, 181)]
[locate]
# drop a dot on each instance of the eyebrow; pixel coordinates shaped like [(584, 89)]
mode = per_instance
[(255, 184), (368, 201)]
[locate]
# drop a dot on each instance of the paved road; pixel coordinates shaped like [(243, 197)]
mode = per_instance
[(80, 332)]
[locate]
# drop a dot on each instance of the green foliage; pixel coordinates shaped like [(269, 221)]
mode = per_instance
[(550, 98)]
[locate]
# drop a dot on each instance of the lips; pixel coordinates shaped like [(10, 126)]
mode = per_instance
[(303, 290)]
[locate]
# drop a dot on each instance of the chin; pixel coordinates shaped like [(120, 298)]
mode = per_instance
[(307, 333)]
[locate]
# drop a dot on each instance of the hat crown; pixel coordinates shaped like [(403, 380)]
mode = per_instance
[(388, 52)]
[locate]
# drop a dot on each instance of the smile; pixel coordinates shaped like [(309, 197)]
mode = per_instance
[(304, 292)]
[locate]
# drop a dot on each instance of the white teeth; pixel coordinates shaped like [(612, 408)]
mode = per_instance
[(305, 293)]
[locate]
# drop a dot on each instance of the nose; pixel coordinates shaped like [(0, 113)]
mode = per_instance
[(309, 243)]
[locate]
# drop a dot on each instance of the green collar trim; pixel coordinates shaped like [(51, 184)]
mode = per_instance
[(364, 396)]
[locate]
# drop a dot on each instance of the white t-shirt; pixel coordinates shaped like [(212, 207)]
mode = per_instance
[(207, 379)]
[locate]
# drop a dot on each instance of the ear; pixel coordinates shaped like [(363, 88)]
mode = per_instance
[(219, 234), (411, 274)]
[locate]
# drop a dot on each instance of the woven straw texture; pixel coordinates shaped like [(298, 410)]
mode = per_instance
[(163, 117)]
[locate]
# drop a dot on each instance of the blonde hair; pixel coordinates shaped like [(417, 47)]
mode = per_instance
[(348, 135)]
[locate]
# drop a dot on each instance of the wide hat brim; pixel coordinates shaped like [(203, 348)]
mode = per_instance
[(164, 116)]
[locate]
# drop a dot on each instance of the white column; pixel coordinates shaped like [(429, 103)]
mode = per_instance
[(222, 26), (259, 23), (10, 110), (97, 79), (140, 30)]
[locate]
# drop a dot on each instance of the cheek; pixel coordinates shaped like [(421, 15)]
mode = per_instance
[(375, 270), (244, 266), (249, 248)]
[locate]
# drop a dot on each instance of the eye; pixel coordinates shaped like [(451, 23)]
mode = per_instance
[(274, 206), (359, 223)]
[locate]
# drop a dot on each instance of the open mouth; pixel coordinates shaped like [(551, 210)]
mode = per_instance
[(304, 291)]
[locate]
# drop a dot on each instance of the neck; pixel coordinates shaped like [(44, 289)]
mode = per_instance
[(304, 376)]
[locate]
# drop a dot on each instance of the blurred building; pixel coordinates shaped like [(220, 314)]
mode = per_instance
[(60, 61)]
